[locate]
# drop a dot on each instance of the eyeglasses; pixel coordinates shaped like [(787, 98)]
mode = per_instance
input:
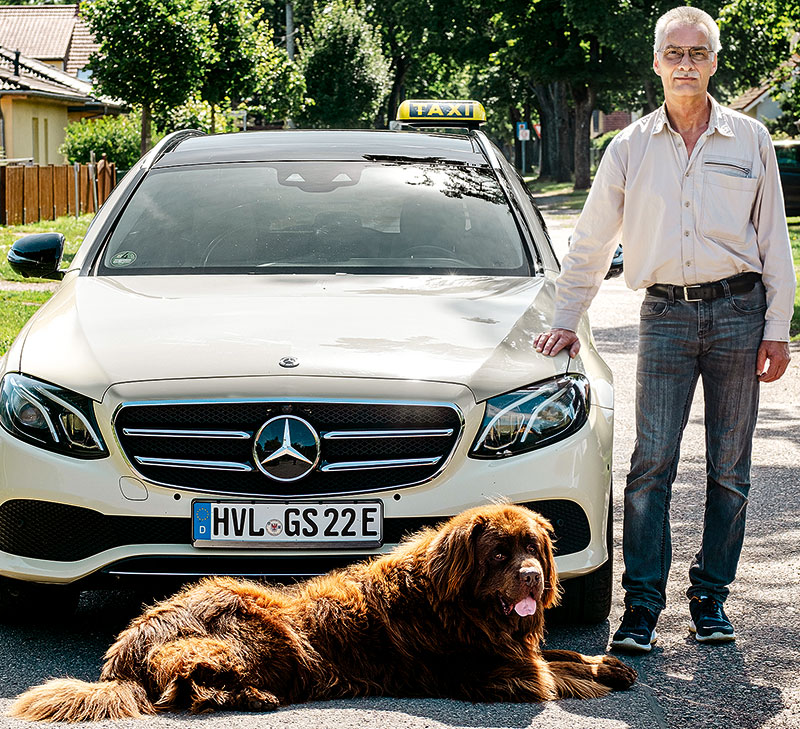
[(697, 54)]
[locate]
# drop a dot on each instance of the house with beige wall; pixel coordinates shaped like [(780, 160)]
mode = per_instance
[(37, 101), (44, 82)]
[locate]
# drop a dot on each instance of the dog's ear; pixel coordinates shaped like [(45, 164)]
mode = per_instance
[(451, 555), (552, 589)]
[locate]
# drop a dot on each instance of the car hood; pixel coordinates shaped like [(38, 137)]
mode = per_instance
[(474, 331)]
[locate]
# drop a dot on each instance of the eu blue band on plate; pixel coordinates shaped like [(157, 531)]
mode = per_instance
[(201, 523)]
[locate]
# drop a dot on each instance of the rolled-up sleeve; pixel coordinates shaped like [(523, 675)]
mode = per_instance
[(774, 247), (594, 239)]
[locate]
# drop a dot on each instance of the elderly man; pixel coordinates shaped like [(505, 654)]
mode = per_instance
[(693, 192)]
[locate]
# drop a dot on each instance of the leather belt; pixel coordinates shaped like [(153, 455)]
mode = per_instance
[(740, 284)]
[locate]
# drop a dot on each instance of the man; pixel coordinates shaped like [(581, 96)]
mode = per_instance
[(693, 192)]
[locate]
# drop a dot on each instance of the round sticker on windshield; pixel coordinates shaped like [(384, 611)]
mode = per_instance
[(123, 258)]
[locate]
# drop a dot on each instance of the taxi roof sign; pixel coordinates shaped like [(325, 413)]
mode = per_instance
[(441, 113)]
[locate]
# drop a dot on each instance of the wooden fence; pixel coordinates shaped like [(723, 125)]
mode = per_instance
[(31, 193)]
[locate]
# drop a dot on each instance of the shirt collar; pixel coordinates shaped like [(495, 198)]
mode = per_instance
[(718, 120)]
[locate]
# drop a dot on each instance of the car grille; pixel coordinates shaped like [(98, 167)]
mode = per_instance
[(65, 533), (365, 446)]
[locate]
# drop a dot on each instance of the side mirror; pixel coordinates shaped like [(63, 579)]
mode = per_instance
[(38, 255)]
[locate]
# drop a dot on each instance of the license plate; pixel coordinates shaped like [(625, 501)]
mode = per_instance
[(287, 524)]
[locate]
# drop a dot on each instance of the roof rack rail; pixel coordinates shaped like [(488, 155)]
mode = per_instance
[(167, 144)]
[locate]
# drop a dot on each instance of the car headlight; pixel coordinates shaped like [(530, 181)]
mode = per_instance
[(530, 418), (50, 417)]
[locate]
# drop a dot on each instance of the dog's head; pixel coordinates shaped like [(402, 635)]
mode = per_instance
[(499, 558)]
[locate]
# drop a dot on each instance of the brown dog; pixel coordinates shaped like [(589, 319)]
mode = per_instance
[(455, 612)]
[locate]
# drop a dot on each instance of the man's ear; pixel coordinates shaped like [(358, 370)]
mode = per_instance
[(451, 555), (656, 65)]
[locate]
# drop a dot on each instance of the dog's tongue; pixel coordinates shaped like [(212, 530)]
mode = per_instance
[(526, 606)]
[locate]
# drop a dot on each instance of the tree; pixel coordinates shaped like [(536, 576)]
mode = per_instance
[(229, 69), (346, 72), (152, 52), (280, 87)]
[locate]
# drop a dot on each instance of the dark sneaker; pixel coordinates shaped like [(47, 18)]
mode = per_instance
[(638, 629), (709, 622)]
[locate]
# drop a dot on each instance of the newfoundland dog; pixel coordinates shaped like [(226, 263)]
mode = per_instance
[(454, 612)]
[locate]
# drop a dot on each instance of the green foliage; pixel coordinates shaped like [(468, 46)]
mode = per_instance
[(280, 87), (115, 136), (152, 52), (196, 114), (599, 144), (787, 125), (346, 72), (230, 60)]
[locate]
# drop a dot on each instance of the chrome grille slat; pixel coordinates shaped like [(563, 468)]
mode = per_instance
[(369, 465), (365, 445), (358, 434), (185, 463), (164, 433)]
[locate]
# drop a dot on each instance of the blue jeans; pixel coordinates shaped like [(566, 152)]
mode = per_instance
[(680, 341)]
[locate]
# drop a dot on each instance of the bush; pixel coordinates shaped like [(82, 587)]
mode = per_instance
[(346, 73), (118, 137), (600, 143)]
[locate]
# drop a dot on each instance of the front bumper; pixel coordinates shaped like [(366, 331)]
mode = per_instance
[(64, 520)]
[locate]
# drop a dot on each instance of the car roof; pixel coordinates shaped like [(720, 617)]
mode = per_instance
[(322, 144)]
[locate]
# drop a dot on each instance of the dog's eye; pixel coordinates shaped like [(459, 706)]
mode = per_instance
[(500, 556), (531, 547)]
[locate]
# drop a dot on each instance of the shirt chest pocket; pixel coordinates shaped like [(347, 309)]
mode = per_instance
[(728, 197)]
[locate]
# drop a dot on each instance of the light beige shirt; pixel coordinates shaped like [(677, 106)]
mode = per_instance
[(683, 220)]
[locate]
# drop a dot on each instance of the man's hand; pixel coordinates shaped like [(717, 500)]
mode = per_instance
[(773, 359), (555, 340)]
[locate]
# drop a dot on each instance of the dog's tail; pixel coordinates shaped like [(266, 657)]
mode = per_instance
[(68, 699)]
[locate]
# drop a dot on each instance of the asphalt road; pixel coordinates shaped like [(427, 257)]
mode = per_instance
[(754, 682)]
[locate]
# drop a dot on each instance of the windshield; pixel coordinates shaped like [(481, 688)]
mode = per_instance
[(317, 217)]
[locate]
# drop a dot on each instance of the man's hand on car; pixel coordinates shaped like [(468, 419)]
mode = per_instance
[(555, 340)]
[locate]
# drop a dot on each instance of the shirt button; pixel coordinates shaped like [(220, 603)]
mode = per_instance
[(686, 233), (687, 174), (688, 263), (686, 204)]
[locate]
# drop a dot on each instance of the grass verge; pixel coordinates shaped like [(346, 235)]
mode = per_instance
[(73, 229), (17, 307), (556, 195)]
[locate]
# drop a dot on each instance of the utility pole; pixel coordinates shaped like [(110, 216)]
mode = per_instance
[(289, 30), (289, 44)]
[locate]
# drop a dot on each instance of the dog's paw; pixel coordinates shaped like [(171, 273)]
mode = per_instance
[(614, 673), (253, 699)]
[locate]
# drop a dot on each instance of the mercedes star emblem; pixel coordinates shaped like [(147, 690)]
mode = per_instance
[(286, 448), (289, 362)]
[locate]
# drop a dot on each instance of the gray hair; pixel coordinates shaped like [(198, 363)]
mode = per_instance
[(687, 16)]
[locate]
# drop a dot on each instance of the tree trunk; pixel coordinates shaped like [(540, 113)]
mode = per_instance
[(543, 100), (213, 119), (145, 146), (584, 98), (563, 172), (650, 96), (400, 68)]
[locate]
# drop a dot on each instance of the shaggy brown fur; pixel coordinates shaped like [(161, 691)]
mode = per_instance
[(455, 612)]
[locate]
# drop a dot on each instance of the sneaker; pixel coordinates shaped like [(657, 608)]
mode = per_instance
[(638, 629), (709, 622)]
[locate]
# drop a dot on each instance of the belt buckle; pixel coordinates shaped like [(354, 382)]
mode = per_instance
[(686, 293)]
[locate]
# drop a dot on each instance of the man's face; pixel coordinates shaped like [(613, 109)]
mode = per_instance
[(686, 77)]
